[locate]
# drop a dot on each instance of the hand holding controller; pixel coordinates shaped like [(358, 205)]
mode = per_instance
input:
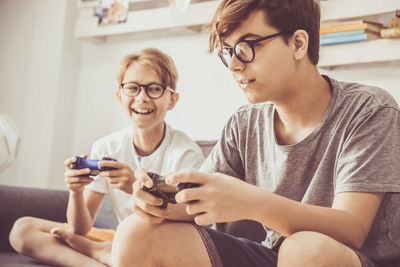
[(92, 164), (165, 191)]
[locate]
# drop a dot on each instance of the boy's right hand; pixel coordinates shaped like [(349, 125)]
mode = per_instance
[(76, 179), (146, 205)]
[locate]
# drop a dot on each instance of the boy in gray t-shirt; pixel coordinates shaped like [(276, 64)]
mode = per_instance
[(355, 148), (314, 160)]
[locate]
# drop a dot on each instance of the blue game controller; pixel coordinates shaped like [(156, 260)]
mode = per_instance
[(92, 164)]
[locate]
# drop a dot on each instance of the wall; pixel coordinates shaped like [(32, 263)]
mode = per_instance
[(36, 85), (60, 91)]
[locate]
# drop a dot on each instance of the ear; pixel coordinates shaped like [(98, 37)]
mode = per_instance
[(118, 95), (300, 44), (174, 99)]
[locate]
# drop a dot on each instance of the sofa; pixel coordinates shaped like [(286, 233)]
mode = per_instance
[(16, 202)]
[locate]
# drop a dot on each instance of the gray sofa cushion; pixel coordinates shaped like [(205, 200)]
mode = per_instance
[(12, 259), (16, 202)]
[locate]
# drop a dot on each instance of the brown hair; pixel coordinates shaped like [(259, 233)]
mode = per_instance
[(285, 15), (161, 63)]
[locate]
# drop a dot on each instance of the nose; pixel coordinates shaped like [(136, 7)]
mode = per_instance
[(235, 64), (142, 95)]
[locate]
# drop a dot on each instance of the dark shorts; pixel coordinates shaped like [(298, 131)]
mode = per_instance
[(225, 250)]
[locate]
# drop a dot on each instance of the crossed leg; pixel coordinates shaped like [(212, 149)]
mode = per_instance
[(100, 251), (315, 249), (32, 237), (138, 243)]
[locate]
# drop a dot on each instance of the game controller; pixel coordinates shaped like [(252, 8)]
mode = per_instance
[(92, 164), (165, 191)]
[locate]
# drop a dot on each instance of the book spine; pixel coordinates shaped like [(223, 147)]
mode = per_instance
[(343, 39), (346, 23), (350, 27), (332, 34), (390, 33), (394, 22)]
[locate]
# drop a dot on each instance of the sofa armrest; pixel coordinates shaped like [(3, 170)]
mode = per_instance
[(16, 202)]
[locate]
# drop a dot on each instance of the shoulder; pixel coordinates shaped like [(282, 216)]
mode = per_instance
[(250, 109), (182, 152), (113, 139), (365, 98), (179, 141), (250, 114)]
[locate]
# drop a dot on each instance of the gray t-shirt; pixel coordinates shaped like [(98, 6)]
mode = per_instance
[(356, 147)]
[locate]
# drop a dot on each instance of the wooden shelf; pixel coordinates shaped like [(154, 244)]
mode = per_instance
[(201, 14), (148, 20), (162, 20), (380, 50), (332, 10)]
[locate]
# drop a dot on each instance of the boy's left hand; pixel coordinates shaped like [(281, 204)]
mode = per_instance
[(219, 198), (122, 178)]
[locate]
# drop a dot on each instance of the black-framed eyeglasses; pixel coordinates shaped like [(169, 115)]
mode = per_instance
[(243, 50), (153, 90)]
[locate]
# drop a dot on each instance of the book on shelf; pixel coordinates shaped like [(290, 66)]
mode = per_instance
[(332, 34), (394, 22), (394, 27), (390, 32), (340, 39), (351, 26)]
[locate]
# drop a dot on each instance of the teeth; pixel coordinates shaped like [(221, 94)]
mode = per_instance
[(142, 111), (244, 81)]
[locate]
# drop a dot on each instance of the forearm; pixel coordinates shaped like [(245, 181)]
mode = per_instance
[(78, 215), (288, 217)]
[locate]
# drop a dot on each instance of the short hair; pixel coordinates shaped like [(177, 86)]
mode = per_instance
[(160, 62), (285, 15)]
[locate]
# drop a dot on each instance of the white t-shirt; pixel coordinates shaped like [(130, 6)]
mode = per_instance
[(176, 153)]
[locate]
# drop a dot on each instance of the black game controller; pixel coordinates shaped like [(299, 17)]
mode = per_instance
[(165, 191), (92, 164)]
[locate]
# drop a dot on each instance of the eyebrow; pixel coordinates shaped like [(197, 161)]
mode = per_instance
[(159, 83), (243, 37)]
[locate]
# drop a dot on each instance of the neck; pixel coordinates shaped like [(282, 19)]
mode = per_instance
[(302, 110), (146, 141)]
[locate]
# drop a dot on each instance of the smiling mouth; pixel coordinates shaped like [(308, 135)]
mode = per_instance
[(142, 111), (245, 83)]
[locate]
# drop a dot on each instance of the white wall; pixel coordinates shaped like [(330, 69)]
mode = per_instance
[(60, 91), (36, 55)]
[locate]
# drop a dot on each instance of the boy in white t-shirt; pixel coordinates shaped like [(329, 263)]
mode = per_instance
[(147, 91)]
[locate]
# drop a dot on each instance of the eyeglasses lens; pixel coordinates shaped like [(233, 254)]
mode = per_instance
[(226, 56), (155, 91), (243, 52), (131, 89)]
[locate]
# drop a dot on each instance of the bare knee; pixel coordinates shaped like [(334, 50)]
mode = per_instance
[(133, 238), (136, 240), (19, 234), (304, 249)]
